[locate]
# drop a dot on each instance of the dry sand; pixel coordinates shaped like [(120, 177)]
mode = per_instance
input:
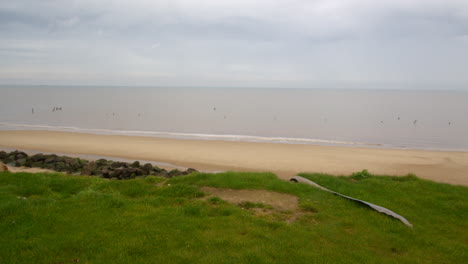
[(283, 159)]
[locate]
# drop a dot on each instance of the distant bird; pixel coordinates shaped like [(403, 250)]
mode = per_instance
[(113, 114), (214, 108), (53, 110), (449, 123), (398, 118), (32, 111), (381, 121), (415, 121)]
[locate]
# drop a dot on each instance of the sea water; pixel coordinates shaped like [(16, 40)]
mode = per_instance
[(436, 120)]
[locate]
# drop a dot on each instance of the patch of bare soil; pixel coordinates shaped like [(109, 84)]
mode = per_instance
[(30, 170), (3, 167), (261, 203), (279, 201)]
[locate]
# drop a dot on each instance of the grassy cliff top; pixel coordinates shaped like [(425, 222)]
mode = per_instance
[(56, 218)]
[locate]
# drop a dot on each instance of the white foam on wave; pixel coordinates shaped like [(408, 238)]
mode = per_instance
[(181, 135)]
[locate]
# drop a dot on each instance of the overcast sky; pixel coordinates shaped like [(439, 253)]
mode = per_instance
[(248, 43)]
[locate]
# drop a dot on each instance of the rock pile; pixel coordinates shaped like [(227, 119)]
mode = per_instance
[(101, 168)]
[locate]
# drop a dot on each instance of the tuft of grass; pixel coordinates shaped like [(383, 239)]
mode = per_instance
[(55, 218), (216, 200), (308, 206)]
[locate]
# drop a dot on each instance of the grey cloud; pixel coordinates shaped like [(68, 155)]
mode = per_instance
[(291, 43)]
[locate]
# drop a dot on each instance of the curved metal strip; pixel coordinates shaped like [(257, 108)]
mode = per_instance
[(379, 209)]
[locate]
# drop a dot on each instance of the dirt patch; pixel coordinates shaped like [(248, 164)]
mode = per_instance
[(279, 201), (30, 170), (3, 167)]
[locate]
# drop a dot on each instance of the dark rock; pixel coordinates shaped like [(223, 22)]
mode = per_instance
[(7, 160), (61, 166), (49, 166), (105, 173), (50, 158), (82, 161), (156, 169), (122, 173), (28, 162), (147, 168), (175, 173), (113, 174), (38, 157), (162, 173), (140, 172), (119, 164), (16, 155), (74, 165), (58, 159), (97, 172), (3, 155), (135, 164), (20, 163), (101, 162), (190, 171), (37, 164), (89, 169), (126, 173)]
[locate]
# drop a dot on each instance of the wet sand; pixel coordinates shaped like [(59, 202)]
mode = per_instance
[(283, 159)]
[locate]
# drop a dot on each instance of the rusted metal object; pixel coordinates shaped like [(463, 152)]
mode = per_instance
[(379, 209)]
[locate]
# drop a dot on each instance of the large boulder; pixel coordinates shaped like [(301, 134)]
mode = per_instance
[(7, 160), (38, 157), (147, 168), (106, 172), (90, 169), (73, 164), (51, 158), (61, 166), (125, 173), (135, 164), (175, 173), (160, 173), (119, 164), (101, 162), (16, 155), (37, 164), (21, 162), (190, 171)]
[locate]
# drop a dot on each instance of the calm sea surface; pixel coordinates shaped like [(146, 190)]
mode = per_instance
[(398, 119)]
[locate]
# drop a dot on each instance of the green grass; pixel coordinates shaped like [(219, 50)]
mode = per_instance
[(55, 218)]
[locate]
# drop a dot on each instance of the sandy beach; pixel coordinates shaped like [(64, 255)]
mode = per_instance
[(283, 159)]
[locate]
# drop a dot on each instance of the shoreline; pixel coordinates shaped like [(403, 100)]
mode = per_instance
[(223, 137), (285, 160)]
